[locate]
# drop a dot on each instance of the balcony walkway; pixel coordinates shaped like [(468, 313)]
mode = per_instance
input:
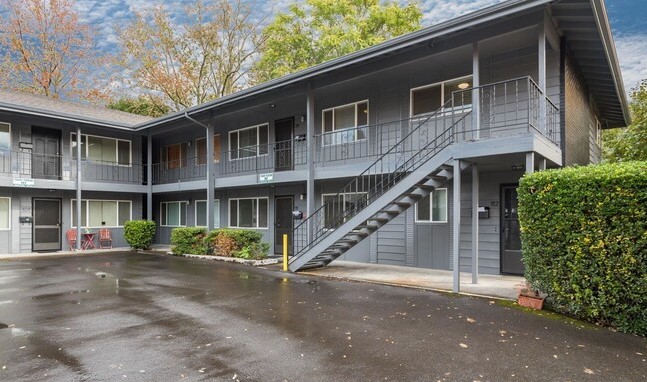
[(498, 286)]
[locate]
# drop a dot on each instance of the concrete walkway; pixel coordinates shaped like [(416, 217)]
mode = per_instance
[(506, 287), (34, 255)]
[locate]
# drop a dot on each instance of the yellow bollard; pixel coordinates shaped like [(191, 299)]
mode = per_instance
[(285, 252)]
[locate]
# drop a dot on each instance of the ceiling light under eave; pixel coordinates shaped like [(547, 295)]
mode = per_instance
[(463, 85)]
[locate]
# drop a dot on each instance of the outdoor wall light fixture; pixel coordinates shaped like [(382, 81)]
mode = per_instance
[(463, 85), (302, 196), (272, 106), (303, 118), (517, 167)]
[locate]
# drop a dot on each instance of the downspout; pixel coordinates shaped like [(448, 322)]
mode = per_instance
[(78, 187), (210, 169)]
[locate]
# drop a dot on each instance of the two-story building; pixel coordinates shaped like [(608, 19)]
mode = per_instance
[(404, 153)]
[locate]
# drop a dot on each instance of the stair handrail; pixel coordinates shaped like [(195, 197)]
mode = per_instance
[(318, 236)]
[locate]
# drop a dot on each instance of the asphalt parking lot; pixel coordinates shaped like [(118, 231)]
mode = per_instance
[(124, 316)]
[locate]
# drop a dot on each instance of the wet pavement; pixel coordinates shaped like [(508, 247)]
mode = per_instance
[(141, 317)]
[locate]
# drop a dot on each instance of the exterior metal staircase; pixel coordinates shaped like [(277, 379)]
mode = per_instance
[(406, 173)]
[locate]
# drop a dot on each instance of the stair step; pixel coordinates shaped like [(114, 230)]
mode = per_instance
[(379, 220), (413, 195), (390, 212), (446, 167), (425, 187), (350, 241), (357, 233), (368, 226), (439, 178), (401, 204)]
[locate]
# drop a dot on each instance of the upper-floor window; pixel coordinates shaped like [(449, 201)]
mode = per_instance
[(346, 123), (103, 213), (433, 207), (103, 149), (429, 98), (5, 213), (173, 214), (249, 142), (337, 206), (174, 156), (201, 213), (5, 136), (201, 149)]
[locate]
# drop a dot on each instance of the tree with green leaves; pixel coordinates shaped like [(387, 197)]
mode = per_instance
[(315, 31), (630, 143), (142, 105)]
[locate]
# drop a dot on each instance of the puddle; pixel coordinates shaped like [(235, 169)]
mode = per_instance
[(54, 295), (296, 281)]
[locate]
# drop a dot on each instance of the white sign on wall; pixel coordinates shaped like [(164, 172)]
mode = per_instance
[(23, 182), (266, 178)]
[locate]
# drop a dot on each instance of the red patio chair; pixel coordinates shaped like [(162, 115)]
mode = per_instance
[(71, 238), (105, 236)]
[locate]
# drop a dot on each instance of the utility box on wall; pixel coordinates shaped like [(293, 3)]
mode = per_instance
[(484, 212)]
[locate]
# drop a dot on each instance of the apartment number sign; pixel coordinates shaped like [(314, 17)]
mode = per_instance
[(266, 178), (23, 182)]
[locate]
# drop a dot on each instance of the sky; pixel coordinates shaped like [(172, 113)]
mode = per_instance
[(628, 20)]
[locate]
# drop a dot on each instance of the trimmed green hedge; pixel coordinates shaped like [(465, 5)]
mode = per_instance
[(139, 233), (226, 242), (584, 236), (189, 240)]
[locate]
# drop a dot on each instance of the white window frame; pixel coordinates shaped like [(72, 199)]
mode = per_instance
[(87, 212), (258, 210), (9, 213), (336, 132), (164, 211), (87, 146), (195, 214), (344, 194), (258, 139), (442, 94), (431, 208), (10, 143)]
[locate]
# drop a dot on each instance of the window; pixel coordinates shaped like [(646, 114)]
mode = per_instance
[(174, 156), (429, 98), (433, 207), (173, 214), (343, 124), (5, 213), (5, 136), (249, 142), (337, 205), (201, 150), (248, 213), (201, 213), (103, 213), (102, 149)]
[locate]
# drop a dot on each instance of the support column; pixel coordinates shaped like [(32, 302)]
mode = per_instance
[(475, 225), (310, 136), (530, 162), (78, 187), (542, 164), (476, 82), (456, 236), (211, 184), (149, 177), (541, 75)]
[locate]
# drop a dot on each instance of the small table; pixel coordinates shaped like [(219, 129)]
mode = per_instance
[(88, 242)]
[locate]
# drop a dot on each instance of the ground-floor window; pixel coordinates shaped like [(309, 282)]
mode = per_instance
[(5, 213), (201, 213), (103, 213), (337, 206), (173, 214), (433, 207), (248, 213)]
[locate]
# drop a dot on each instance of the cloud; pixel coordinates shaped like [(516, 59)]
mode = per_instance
[(632, 54), (436, 11)]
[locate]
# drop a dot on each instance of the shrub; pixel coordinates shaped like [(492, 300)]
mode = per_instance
[(189, 240), (584, 236), (139, 233), (237, 243)]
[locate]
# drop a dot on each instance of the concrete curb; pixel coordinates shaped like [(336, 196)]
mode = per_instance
[(42, 255), (255, 263)]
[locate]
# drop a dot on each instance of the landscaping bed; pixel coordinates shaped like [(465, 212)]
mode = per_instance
[(255, 263)]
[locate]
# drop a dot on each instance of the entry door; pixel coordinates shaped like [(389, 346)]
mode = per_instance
[(46, 160), (510, 233), (283, 206), (283, 132), (46, 234)]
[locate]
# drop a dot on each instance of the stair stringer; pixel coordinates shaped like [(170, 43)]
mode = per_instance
[(393, 194)]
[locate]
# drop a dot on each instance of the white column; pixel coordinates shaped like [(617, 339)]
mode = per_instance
[(542, 164), (530, 162), (310, 136), (476, 82), (541, 75), (456, 239), (78, 187), (210, 131), (475, 225), (149, 178)]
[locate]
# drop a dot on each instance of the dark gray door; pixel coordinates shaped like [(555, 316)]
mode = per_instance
[(46, 159), (510, 232), (283, 132), (283, 206), (46, 234)]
